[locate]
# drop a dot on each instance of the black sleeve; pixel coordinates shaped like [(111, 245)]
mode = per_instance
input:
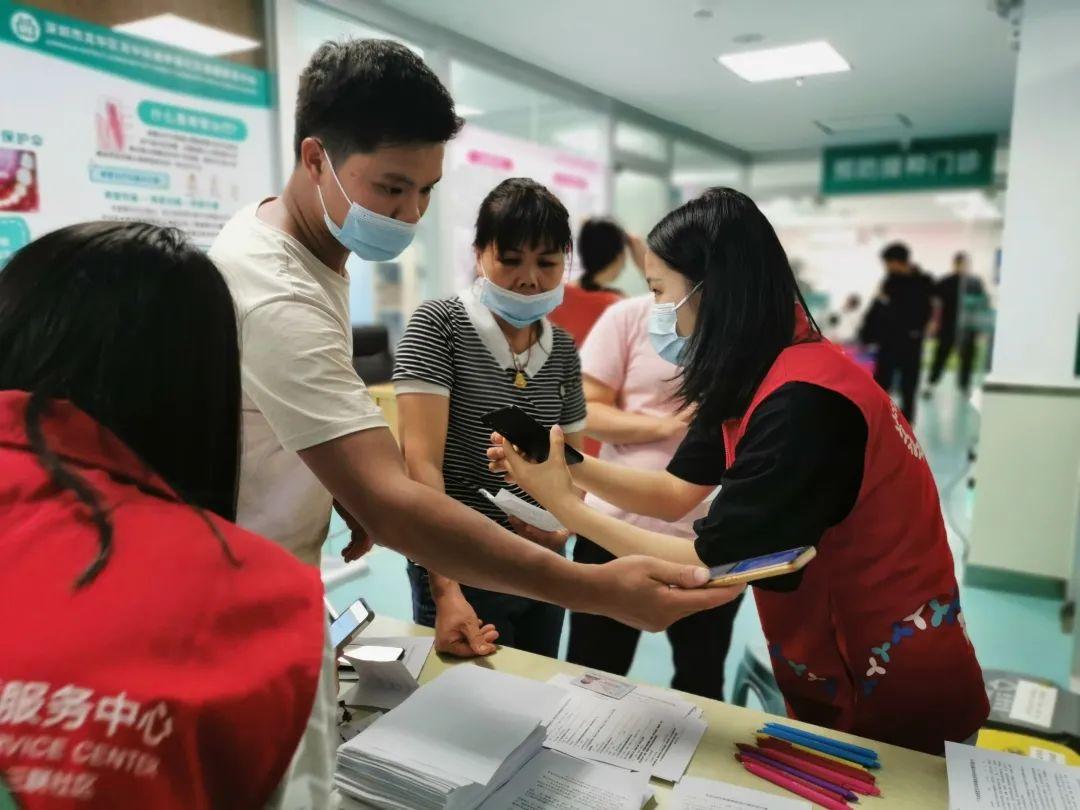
[(700, 457), (797, 472)]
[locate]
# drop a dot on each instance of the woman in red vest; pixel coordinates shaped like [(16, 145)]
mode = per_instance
[(154, 654), (807, 450)]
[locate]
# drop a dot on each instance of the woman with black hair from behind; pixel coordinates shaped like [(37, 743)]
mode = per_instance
[(140, 626), (462, 357), (601, 251)]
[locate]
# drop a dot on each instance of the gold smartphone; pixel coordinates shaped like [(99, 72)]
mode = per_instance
[(769, 565)]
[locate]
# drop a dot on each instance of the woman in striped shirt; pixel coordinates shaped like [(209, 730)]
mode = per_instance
[(461, 357)]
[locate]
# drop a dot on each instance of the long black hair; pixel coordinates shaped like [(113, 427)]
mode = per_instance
[(747, 304), (136, 327), (519, 213)]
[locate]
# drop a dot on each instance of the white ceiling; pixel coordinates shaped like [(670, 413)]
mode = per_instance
[(947, 65)]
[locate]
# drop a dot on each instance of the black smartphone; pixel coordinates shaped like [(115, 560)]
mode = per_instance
[(526, 433)]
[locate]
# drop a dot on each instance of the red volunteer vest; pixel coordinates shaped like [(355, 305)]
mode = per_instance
[(174, 679), (873, 641)]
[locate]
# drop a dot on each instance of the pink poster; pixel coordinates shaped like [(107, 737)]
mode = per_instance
[(478, 160)]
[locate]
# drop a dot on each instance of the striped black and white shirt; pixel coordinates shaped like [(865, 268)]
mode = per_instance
[(453, 347)]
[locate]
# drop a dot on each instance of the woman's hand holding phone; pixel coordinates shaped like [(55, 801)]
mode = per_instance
[(549, 482)]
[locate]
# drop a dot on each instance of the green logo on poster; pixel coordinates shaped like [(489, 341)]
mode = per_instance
[(25, 27)]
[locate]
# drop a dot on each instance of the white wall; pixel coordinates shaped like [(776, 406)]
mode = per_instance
[(1040, 291), (1029, 449)]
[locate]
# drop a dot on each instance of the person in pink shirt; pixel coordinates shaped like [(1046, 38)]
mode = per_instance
[(632, 409)]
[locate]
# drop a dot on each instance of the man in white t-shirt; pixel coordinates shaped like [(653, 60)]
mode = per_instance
[(371, 124)]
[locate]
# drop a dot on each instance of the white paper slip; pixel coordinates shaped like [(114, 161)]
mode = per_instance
[(638, 732), (695, 793), (511, 504), (649, 697), (993, 780), (383, 685), (553, 781), (604, 685), (1033, 703)]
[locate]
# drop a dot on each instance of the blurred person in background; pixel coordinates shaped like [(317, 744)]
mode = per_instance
[(897, 322), (842, 326), (601, 248), (632, 396), (959, 298)]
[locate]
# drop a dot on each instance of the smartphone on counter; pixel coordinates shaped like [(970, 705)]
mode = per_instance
[(350, 624), (769, 565), (526, 433)]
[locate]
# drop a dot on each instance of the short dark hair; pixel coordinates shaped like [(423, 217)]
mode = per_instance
[(600, 242), (746, 314), (360, 94), (518, 213), (896, 252), (961, 256), (135, 326)]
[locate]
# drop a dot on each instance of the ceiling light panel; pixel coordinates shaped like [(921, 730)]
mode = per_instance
[(786, 62), (180, 32)]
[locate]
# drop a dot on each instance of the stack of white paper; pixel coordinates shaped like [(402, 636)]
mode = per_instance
[(450, 744), (643, 729), (551, 781)]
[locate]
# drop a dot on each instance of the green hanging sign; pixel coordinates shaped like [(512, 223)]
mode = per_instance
[(927, 163)]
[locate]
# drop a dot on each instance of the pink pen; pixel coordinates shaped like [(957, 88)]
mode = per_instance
[(826, 785), (787, 783)]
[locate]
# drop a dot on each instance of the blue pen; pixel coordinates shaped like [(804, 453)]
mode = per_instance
[(832, 750), (855, 749)]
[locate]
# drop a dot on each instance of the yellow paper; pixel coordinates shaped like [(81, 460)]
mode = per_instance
[(1027, 746)]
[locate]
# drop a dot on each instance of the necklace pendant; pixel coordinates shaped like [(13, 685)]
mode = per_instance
[(519, 380)]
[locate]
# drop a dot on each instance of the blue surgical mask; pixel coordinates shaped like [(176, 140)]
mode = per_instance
[(663, 330), (514, 308), (369, 235)]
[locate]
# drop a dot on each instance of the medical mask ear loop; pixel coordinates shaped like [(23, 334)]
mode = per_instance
[(333, 174), (364, 212), (568, 261), (322, 200), (689, 295)]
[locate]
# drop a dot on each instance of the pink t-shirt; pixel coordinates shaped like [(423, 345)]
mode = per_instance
[(618, 354)]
